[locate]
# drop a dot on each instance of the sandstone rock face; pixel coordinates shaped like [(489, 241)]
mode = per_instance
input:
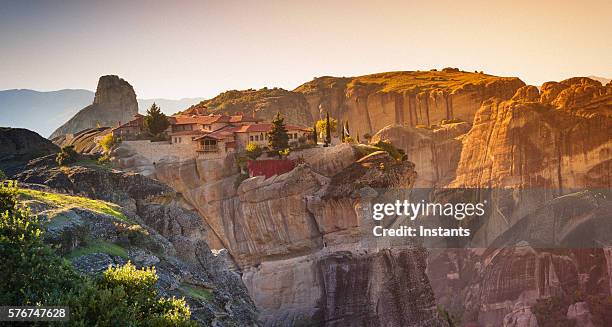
[(557, 140), (264, 103), (371, 102), (521, 317), (296, 238), (114, 103), (563, 141), (434, 152), (85, 141), (580, 313)]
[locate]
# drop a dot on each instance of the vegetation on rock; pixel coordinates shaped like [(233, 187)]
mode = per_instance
[(253, 150), (108, 142), (278, 139), (67, 155), (70, 201), (155, 121), (322, 124), (33, 275)]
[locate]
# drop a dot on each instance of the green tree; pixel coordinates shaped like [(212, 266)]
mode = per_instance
[(328, 130), (253, 150), (31, 272), (315, 136), (155, 121), (67, 155), (2, 176), (322, 126), (278, 139)]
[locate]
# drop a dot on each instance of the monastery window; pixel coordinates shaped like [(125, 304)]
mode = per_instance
[(251, 137), (295, 135)]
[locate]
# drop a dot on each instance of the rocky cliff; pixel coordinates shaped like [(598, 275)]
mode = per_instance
[(296, 238), (98, 217), (372, 102), (114, 102), (546, 145), (18, 146)]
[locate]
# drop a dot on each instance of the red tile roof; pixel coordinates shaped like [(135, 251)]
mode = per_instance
[(266, 127), (136, 122), (193, 119), (194, 132)]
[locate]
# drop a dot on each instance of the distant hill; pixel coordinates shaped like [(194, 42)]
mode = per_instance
[(603, 80), (43, 112)]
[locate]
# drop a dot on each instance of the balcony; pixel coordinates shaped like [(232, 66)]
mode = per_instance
[(208, 148)]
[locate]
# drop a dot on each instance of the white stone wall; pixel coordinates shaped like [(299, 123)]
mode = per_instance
[(157, 151)]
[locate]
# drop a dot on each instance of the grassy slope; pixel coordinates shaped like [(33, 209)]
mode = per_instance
[(97, 246), (70, 201)]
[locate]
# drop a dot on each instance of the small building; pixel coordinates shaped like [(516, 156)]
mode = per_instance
[(185, 128), (131, 129), (232, 137)]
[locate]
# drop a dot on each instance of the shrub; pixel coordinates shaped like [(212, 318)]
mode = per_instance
[(284, 152), (67, 155), (253, 150), (108, 142), (2, 176), (393, 151), (32, 274)]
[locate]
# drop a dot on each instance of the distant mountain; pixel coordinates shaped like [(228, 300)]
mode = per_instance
[(43, 112), (169, 107), (603, 80)]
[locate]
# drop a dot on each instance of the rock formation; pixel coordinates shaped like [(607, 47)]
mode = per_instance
[(18, 146), (114, 103), (151, 230), (297, 239), (543, 145), (372, 102), (290, 234)]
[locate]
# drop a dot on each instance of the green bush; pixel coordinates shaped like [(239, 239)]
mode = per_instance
[(253, 150), (2, 176), (33, 274), (104, 159), (393, 151), (67, 155), (108, 142)]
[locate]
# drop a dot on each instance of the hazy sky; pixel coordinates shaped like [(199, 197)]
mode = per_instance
[(179, 49)]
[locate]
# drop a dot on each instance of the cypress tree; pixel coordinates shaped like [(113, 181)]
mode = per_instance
[(328, 138), (315, 137), (278, 139)]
